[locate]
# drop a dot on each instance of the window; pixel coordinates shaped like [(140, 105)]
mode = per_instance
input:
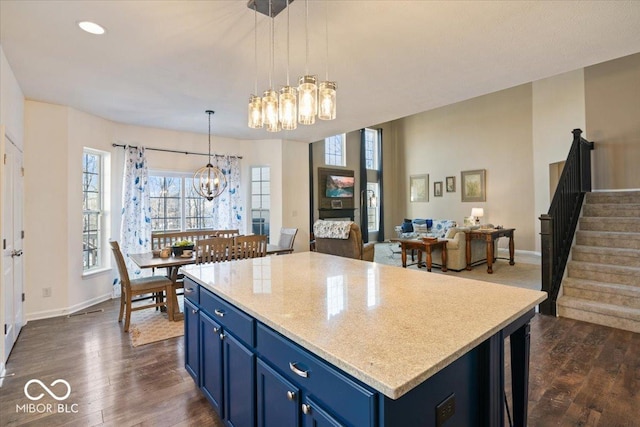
[(372, 207), (334, 150), (371, 148), (175, 206), (92, 208), (260, 199)]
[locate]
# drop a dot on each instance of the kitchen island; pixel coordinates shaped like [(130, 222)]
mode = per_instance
[(314, 339)]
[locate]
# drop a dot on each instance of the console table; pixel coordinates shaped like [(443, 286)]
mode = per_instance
[(489, 235), (423, 245)]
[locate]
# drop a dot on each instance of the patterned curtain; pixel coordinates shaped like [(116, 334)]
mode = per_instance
[(135, 228), (227, 208)]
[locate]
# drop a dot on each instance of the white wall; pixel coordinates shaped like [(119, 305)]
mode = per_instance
[(558, 108)]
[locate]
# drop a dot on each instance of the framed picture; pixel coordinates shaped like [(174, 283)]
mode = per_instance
[(419, 188), (437, 189), (336, 204), (451, 184), (473, 186)]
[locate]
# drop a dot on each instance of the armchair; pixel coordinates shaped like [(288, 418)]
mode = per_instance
[(342, 238)]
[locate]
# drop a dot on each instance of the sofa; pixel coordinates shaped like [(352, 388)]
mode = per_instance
[(457, 249), (417, 228), (341, 238)]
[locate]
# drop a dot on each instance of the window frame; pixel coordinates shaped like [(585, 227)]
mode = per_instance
[(341, 159), (261, 210), (100, 230)]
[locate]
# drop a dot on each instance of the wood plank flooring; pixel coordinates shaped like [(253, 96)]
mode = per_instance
[(581, 375)]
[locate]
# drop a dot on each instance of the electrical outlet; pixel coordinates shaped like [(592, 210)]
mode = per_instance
[(46, 292), (445, 410)]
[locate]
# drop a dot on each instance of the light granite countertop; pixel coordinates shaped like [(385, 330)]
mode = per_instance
[(390, 327)]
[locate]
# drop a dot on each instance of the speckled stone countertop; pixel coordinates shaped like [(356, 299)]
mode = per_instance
[(390, 327)]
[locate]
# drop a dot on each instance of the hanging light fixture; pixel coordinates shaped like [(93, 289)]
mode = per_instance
[(288, 95), (307, 89), (270, 97), (209, 181), (255, 102), (292, 105), (327, 89)]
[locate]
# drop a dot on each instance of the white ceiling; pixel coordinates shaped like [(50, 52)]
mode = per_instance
[(163, 63)]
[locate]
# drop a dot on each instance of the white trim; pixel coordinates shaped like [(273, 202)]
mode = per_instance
[(94, 272), (47, 314)]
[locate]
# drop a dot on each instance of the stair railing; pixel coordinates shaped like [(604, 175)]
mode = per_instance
[(558, 226)]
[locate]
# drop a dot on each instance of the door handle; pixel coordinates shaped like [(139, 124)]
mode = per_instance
[(16, 253)]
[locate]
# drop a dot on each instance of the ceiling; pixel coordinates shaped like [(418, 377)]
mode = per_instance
[(163, 63)]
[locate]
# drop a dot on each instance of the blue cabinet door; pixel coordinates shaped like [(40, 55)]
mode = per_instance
[(211, 381), (191, 340), (278, 399), (315, 416), (239, 383)]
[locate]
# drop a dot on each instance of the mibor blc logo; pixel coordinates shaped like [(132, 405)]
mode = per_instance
[(35, 390)]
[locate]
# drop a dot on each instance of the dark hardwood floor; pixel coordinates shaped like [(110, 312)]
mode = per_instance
[(581, 375)]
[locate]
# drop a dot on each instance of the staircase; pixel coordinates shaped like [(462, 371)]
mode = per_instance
[(603, 276)]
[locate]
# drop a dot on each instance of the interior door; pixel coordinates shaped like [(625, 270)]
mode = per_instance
[(12, 240)]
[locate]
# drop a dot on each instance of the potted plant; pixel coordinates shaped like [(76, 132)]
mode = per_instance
[(180, 246)]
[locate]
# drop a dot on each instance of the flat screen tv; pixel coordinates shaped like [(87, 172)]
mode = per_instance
[(339, 186)]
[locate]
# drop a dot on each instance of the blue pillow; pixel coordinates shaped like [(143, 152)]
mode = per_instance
[(429, 223), (407, 226), (420, 221)]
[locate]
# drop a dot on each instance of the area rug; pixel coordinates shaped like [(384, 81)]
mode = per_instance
[(151, 325), (526, 272)]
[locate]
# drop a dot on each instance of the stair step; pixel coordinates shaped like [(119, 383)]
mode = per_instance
[(612, 256), (604, 273), (613, 197), (611, 239), (615, 316), (610, 224), (609, 293), (612, 210)]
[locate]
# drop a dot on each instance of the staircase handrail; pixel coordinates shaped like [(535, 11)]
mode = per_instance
[(558, 226)]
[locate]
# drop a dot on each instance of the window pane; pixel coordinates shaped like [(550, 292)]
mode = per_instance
[(334, 150), (91, 205), (260, 199)]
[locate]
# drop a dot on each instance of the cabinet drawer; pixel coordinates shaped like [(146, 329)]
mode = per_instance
[(191, 291), (343, 396), (231, 318)]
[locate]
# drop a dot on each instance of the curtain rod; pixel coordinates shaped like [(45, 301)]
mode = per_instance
[(174, 151)]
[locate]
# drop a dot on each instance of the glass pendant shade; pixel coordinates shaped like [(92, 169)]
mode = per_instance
[(270, 110), (307, 100), (209, 182), (327, 100), (288, 108), (255, 112)]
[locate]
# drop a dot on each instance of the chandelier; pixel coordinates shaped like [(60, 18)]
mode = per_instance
[(209, 181), (293, 105)]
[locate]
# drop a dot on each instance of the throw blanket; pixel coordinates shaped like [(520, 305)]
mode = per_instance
[(332, 229)]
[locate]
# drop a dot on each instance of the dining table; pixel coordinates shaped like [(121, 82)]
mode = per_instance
[(173, 264)]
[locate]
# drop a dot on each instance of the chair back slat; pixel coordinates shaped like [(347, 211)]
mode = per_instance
[(287, 236), (215, 249), (122, 266), (227, 233), (253, 246), (162, 240)]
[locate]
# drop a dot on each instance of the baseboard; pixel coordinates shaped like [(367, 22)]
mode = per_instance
[(520, 251), (48, 314)]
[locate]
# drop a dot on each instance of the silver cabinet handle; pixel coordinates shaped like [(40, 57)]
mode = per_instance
[(219, 313), (189, 290), (194, 311), (222, 336), (291, 395), (215, 330), (306, 409), (298, 371)]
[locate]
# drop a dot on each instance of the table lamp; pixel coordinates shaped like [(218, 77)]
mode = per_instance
[(477, 213)]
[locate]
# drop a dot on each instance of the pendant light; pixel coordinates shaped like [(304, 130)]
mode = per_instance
[(209, 181), (307, 89), (255, 102), (270, 97), (327, 89), (288, 95)]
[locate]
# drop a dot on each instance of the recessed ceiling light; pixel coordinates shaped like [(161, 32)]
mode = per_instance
[(91, 27)]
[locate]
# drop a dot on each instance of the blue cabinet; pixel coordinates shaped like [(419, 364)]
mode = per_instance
[(191, 340), (278, 399), (211, 373), (315, 416), (239, 382)]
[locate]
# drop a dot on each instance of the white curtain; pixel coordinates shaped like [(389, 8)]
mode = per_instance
[(135, 228), (227, 208)]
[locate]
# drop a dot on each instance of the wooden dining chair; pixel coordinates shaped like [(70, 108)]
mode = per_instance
[(142, 286), (287, 236), (216, 249), (252, 246)]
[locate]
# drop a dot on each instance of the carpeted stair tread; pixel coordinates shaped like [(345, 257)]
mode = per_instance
[(611, 239), (612, 210), (607, 255), (613, 197), (610, 224), (605, 273), (601, 308), (610, 293)]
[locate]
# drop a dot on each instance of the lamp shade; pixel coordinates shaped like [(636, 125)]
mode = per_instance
[(255, 112), (327, 101), (270, 111), (477, 212), (288, 108), (307, 100)]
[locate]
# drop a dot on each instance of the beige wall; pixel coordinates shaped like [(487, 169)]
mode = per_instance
[(491, 132), (558, 108), (11, 103), (612, 94)]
